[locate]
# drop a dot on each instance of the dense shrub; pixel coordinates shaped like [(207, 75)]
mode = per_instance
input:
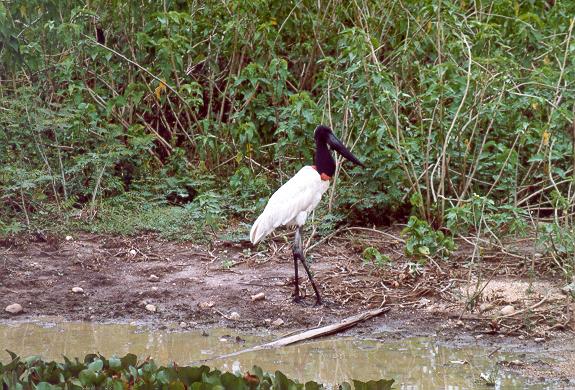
[(442, 100)]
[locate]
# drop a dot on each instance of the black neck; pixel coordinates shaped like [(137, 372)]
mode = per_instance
[(324, 161)]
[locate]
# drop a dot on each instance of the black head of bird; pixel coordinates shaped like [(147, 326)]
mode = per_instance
[(323, 159)]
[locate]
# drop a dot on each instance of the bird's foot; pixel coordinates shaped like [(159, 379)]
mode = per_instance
[(298, 297), (318, 302)]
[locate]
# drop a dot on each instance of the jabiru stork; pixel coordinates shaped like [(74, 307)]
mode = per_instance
[(294, 201)]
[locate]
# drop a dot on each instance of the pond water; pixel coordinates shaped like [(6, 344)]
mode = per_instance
[(414, 363)]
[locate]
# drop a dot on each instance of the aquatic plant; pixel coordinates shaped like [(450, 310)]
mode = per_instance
[(128, 372)]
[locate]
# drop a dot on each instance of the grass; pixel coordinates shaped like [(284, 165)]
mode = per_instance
[(130, 214)]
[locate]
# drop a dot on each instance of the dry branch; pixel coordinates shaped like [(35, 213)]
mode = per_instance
[(310, 334), (326, 330)]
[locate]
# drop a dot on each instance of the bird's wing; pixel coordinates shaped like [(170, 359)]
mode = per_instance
[(301, 193)]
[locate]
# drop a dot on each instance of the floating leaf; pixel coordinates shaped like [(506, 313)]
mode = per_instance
[(96, 365), (87, 377), (115, 362)]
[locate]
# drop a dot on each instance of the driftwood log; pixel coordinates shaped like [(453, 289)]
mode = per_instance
[(346, 323)]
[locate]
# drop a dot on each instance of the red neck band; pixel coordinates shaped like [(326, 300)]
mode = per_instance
[(323, 176)]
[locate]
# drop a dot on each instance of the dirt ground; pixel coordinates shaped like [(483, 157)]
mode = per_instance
[(495, 303)]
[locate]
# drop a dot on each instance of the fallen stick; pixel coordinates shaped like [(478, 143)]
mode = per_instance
[(326, 330), (309, 334)]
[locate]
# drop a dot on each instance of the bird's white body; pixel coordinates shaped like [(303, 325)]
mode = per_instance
[(291, 204)]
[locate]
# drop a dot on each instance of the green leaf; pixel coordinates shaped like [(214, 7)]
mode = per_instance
[(536, 158), (232, 382), (87, 377), (311, 385), (117, 385), (382, 384), (96, 365), (129, 360), (423, 250), (176, 386), (115, 363), (46, 386)]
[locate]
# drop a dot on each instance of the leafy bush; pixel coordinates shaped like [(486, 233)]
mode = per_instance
[(558, 242), (481, 214), (423, 241), (374, 256), (98, 372), (440, 101)]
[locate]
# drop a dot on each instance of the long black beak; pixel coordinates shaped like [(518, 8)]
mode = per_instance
[(339, 147)]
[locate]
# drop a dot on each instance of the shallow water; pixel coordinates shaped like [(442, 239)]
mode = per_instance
[(415, 363)]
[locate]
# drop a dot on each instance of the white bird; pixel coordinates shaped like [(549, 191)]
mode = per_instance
[(293, 202)]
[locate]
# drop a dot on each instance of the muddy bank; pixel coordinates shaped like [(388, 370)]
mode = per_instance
[(157, 282)]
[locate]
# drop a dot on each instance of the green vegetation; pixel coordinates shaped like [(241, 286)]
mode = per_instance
[(423, 241), (374, 256), (178, 116), (97, 372)]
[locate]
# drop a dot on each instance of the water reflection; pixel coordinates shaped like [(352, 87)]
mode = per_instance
[(415, 363)]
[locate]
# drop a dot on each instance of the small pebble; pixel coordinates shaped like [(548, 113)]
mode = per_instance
[(69, 238), (234, 316), (205, 305), (569, 289), (521, 337), (183, 325), (154, 288), (78, 290), (539, 339), (485, 306), (14, 308), (277, 323), (133, 252), (507, 310), (268, 321), (258, 297), (151, 308), (154, 278)]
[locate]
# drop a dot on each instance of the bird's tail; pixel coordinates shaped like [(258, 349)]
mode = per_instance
[(260, 229)]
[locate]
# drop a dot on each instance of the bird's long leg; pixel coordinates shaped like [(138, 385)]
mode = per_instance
[(298, 253)]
